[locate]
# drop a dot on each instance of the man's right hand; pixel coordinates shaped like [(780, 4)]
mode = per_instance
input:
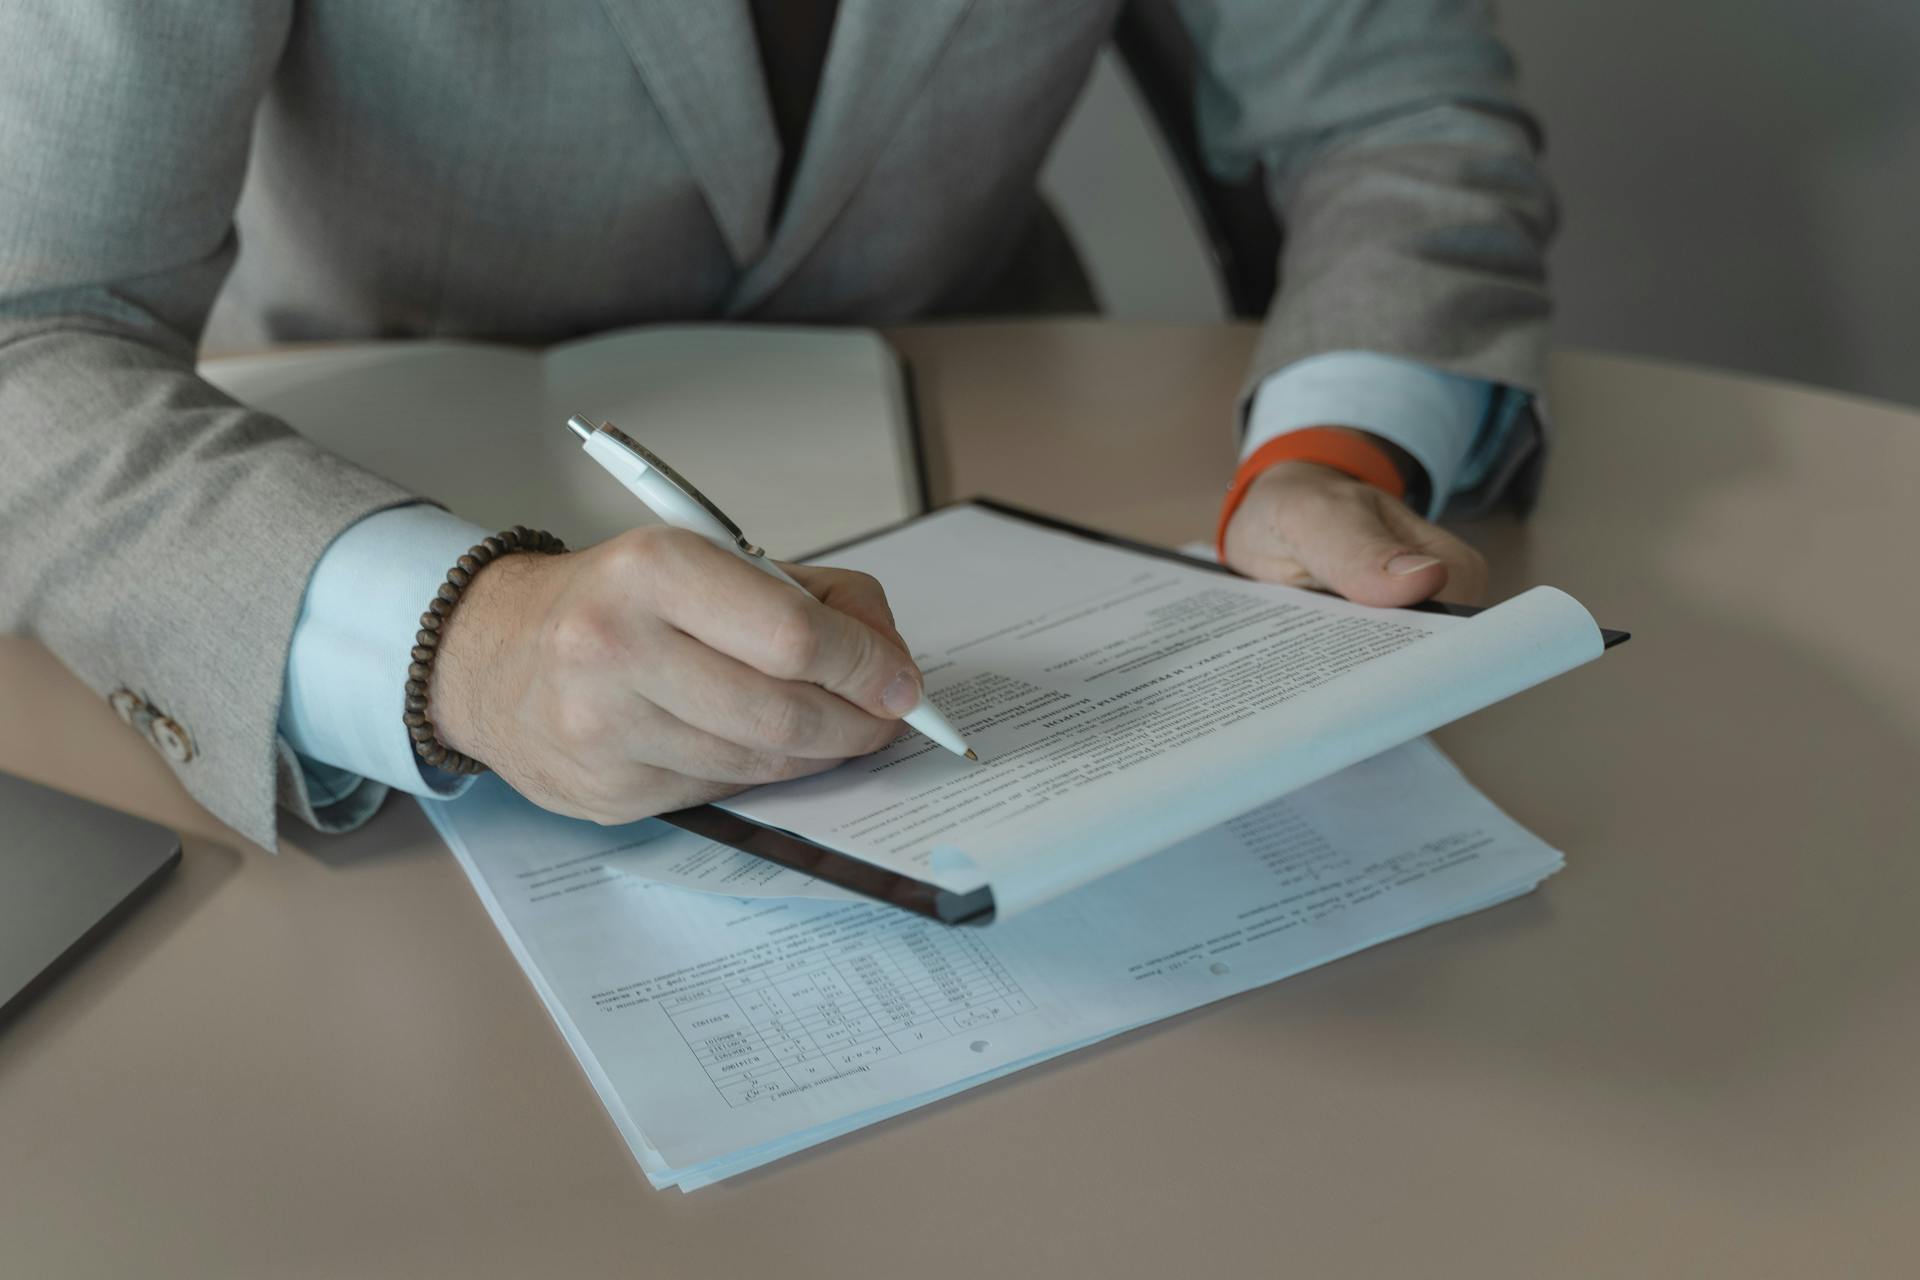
[(656, 670)]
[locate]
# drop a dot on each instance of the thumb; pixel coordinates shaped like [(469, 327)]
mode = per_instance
[(1350, 543)]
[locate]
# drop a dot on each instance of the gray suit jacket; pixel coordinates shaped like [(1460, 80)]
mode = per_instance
[(531, 169)]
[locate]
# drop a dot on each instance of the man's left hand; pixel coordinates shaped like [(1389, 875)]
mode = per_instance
[(1308, 525)]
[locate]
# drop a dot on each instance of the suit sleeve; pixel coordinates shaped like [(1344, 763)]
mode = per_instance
[(1402, 169), (158, 534)]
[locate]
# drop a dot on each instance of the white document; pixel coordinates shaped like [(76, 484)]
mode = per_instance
[(583, 854), (710, 867), (725, 1032), (765, 419), (1121, 703)]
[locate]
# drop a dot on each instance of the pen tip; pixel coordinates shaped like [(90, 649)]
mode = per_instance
[(971, 756)]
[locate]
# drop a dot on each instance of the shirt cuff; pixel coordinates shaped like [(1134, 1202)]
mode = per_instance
[(352, 644), (1437, 417)]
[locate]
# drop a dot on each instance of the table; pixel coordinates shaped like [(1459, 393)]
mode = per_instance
[(782, 1024), (1692, 1053)]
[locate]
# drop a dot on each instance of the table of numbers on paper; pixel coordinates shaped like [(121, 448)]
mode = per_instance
[(789, 1024)]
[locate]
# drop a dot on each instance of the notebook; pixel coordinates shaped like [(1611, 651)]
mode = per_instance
[(769, 419)]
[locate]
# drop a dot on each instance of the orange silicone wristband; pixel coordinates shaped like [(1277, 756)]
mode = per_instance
[(1334, 447)]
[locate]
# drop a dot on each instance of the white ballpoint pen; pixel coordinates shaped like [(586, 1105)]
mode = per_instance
[(670, 496)]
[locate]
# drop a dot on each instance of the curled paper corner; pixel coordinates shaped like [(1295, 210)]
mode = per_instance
[(951, 862)]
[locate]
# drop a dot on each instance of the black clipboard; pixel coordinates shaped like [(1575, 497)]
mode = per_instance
[(797, 853)]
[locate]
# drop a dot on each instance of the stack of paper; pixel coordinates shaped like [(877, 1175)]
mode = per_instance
[(726, 1029), (1122, 701)]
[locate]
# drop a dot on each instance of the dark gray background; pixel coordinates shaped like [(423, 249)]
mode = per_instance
[(1740, 182)]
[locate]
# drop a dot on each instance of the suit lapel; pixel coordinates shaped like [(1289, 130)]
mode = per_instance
[(881, 53), (701, 65)]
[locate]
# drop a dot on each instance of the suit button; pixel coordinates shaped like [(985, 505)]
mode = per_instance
[(126, 704), (172, 740)]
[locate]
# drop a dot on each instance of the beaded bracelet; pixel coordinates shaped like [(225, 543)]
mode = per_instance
[(426, 641)]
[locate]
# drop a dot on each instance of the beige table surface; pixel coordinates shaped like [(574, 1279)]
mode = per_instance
[(1693, 1053)]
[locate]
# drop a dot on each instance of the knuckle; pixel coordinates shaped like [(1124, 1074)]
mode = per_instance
[(785, 723), (871, 661), (630, 554), (642, 556), (794, 641)]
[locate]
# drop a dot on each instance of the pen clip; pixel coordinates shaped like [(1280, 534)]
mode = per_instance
[(683, 484)]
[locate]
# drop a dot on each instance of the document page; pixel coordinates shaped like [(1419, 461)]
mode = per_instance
[(1121, 702), (704, 865), (723, 1032)]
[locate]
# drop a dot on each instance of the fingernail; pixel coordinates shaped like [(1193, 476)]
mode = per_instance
[(902, 694), (1407, 562)]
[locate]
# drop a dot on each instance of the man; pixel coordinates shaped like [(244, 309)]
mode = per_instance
[(532, 169)]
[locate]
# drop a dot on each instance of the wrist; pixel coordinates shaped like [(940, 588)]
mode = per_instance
[(1345, 450), (481, 644), (1413, 476), (474, 640)]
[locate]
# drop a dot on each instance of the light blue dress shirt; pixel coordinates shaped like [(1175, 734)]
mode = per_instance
[(350, 650), (347, 664), (1453, 426)]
